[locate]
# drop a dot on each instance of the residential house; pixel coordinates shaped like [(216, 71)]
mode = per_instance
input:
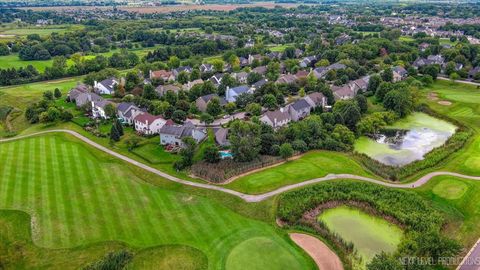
[(399, 73), (221, 136), (362, 83), (301, 74), (105, 87), (308, 61), (86, 98), (258, 84), (203, 101), (243, 61), (344, 92), (320, 72), (473, 73), (342, 39), (162, 74), (286, 78), (75, 92), (299, 109), (163, 89), (274, 55), (189, 85), (173, 134), (217, 79), (98, 108), (298, 53), (177, 71), (262, 70), (423, 46), (148, 124), (337, 66), (316, 99), (127, 111), (436, 59), (241, 77), (206, 68), (277, 118), (250, 43), (254, 57), (231, 94)]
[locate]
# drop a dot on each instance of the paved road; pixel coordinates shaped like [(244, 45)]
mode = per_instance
[(458, 81), (472, 259), (247, 197)]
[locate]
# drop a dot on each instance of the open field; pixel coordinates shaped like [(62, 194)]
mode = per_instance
[(77, 195), (20, 96), (311, 165), (13, 61), (12, 31), (369, 234), (174, 8)]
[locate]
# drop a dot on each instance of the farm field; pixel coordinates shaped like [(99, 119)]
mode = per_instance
[(311, 165), (369, 234), (72, 206)]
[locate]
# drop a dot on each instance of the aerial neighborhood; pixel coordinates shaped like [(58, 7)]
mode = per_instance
[(196, 135)]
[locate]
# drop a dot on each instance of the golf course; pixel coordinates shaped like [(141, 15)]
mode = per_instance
[(62, 198)]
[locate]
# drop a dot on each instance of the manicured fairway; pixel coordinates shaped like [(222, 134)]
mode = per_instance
[(77, 195), (311, 165), (370, 235), (458, 199)]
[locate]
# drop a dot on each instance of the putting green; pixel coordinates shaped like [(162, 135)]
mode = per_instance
[(450, 189), (256, 253), (370, 235)]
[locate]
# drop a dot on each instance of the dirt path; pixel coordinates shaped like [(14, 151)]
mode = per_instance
[(323, 256), (246, 197)]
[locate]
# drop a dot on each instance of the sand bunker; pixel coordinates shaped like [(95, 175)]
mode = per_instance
[(323, 256), (444, 103)]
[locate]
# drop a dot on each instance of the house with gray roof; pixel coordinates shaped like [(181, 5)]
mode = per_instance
[(262, 70), (316, 99), (277, 118), (307, 61), (205, 68), (343, 92), (231, 94), (202, 102), (163, 89), (473, 72), (86, 98), (105, 87), (221, 136), (177, 71), (259, 84), (173, 134), (127, 111), (241, 77), (399, 73), (299, 109)]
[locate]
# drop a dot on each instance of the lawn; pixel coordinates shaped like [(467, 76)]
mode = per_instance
[(311, 165), (17, 31), (20, 96), (455, 197), (77, 196), (280, 47)]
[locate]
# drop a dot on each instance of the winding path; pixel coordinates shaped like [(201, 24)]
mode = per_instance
[(246, 197)]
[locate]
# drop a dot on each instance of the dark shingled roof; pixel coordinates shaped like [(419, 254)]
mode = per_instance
[(300, 104)]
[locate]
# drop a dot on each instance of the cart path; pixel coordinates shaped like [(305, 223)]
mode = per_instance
[(246, 197)]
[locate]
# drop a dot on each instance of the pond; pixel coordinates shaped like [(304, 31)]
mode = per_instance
[(408, 140), (369, 234)]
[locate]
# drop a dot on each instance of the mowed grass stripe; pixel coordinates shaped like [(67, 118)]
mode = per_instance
[(65, 208), (94, 205), (18, 172), (133, 223), (79, 203), (6, 151), (162, 221), (141, 217), (52, 190), (41, 185), (111, 202)]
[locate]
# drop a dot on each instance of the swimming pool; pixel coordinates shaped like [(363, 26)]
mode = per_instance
[(225, 154)]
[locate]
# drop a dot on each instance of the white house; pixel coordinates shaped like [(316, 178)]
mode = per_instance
[(105, 87), (148, 124), (98, 108)]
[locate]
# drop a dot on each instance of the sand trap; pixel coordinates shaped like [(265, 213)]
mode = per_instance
[(432, 96), (323, 256), (444, 103)]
